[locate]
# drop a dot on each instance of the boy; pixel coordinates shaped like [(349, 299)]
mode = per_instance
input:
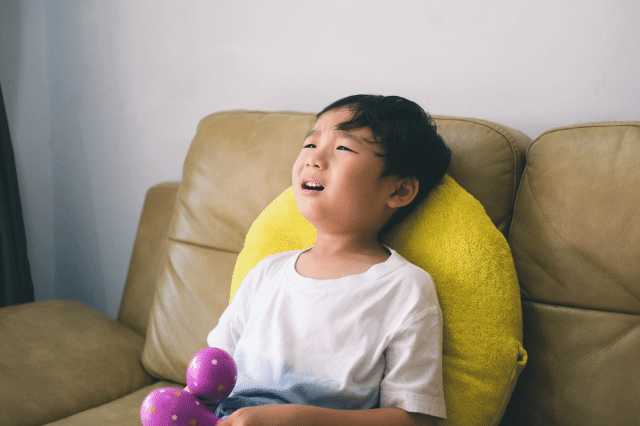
[(346, 332)]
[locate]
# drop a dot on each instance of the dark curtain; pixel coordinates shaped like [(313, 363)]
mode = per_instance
[(16, 286)]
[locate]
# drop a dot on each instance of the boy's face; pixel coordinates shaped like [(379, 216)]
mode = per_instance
[(349, 196)]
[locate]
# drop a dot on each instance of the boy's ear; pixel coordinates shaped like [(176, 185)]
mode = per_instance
[(406, 190)]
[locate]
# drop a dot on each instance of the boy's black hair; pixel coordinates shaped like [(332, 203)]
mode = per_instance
[(412, 147)]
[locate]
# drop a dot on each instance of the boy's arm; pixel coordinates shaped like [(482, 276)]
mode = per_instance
[(303, 415)]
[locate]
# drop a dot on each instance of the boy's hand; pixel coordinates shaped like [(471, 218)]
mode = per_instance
[(265, 415), (303, 415)]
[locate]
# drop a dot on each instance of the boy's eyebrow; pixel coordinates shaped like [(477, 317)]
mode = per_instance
[(351, 136), (311, 133)]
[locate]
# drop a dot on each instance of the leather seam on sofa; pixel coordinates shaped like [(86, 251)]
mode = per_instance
[(584, 126), (577, 307), (194, 244)]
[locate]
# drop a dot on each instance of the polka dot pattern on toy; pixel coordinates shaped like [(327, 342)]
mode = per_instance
[(211, 374)]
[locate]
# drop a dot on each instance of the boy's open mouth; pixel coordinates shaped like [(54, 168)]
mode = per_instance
[(311, 184), (312, 187)]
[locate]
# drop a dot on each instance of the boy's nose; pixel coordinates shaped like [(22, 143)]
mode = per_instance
[(316, 159)]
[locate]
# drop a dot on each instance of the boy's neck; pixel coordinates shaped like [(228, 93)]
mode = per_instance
[(341, 246)]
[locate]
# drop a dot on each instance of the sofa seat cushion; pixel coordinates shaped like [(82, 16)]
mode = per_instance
[(60, 357), (450, 236), (121, 412)]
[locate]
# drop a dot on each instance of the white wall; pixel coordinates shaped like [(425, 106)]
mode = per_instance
[(103, 97)]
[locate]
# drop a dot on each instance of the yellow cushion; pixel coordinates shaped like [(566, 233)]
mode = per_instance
[(450, 236)]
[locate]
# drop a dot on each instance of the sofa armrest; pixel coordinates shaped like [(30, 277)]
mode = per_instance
[(60, 357), (124, 411)]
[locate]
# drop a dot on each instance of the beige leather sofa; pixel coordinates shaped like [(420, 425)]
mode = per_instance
[(571, 215)]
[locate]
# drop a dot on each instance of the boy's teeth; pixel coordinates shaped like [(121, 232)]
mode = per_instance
[(311, 185)]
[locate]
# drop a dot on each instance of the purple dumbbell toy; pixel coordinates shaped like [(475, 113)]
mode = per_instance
[(173, 406), (211, 374)]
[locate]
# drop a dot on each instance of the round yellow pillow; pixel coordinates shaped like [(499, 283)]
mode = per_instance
[(450, 236)]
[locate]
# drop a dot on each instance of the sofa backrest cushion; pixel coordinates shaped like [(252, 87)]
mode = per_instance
[(487, 160), (238, 162), (575, 238), (148, 252), (577, 233)]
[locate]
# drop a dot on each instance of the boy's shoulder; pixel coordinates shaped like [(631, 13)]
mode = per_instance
[(264, 271), (278, 258), (411, 269), (273, 263), (411, 279)]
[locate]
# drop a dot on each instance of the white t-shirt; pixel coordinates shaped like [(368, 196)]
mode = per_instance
[(362, 341)]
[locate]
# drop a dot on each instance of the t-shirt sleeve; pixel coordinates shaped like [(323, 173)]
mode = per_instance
[(413, 375), (231, 323)]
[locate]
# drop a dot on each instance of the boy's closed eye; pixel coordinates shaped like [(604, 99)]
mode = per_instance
[(341, 146)]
